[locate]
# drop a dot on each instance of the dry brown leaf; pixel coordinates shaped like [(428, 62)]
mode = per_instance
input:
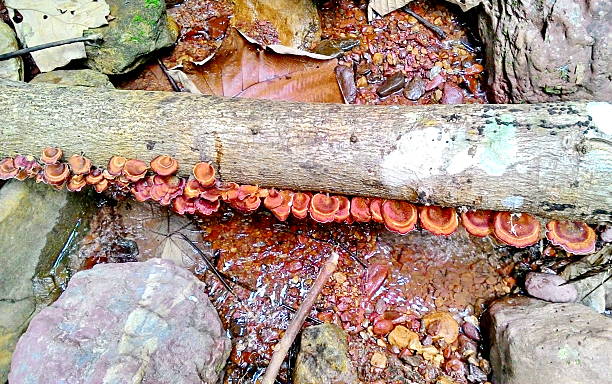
[(382, 7), (242, 69)]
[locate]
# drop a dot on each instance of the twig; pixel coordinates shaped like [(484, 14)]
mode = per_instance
[(21, 52), (296, 324), (175, 86), (437, 30)]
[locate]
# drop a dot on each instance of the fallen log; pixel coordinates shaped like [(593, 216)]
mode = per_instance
[(551, 160)]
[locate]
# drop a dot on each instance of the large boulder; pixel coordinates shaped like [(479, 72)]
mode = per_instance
[(36, 224), (535, 342), (541, 51), (323, 357), (148, 322), (137, 28)]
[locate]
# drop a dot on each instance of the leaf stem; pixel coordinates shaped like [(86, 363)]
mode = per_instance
[(23, 51)]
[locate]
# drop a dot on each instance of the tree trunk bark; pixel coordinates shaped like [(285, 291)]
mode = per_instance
[(551, 160)]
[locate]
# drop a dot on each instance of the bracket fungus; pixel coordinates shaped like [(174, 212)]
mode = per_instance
[(8, 170), (115, 166), (164, 165), (76, 183), (28, 167), (56, 174), (183, 205), (344, 209), (279, 203), (204, 174), (399, 216), (51, 155), (376, 210), (477, 223), (574, 237), (323, 208), (439, 220), (517, 229), (79, 165), (300, 203), (360, 209), (134, 170)]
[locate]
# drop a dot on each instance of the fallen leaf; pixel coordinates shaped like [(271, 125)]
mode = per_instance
[(241, 69), (45, 21), (382, 7), (182, 78), (289, 23)]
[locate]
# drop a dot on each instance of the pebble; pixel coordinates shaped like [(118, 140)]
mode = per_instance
[(435, 82), (548, 287), (378, 360), (382, 327), (346, 81), (402, 337), (471, 331), (442, 324), (452, 94), (393, 84), (415, 89)]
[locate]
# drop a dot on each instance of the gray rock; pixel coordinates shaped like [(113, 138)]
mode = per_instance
[(452, 94), (323, 357), (548, 287), (536, 342), (11, 69), (75, 77), (36, 222), (136, 322), (594, 291), (415, 88), (543, 51), (138, 29), (393, 84)]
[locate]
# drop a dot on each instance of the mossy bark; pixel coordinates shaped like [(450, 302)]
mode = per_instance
[(552, 160)]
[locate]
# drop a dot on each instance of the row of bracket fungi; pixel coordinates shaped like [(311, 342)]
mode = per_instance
[(202, 193)]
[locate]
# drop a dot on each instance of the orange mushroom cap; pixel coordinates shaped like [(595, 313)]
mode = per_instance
[(344, 209), (204, 173), (282, 211), (323, 207), (211, 194), (478, 223), (8, 170), (101, 186), (519, 230), (164, 165), (274, 199), (166, 188), (115, 165), (183, 205), (134, 170), (376, 210), (399, 216), (76, 183), (193, 189), (573, 236), (141, 190), (27, 165), (207, 208), (51, 155), (228, 191), (94, 176), (56, 174), (245, 191), (247, 205), (79, 165), (299, 206), (439, 220), (360, 209)]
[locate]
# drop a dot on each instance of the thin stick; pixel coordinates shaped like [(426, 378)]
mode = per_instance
[(21, 52), (173, 83), (293, 329), (438, 31)]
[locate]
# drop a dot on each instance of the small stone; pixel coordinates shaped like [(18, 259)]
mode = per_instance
[(382, 327), (378, 360), (415, 88), (548, 287), (444, 324), (402, 337), (75, 77), (471, 331), (362, 82), (346, 81), (435, 82), (392, 84), (452, 94), (339, 277), (378, 58)]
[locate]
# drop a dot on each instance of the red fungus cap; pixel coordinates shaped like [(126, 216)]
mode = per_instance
[(115, 166), (51, 155), (134, 170), (207, 208), (299, 206), (376, 210), (166, 188), (274, 199), (399, 216), (282, 211), (76, 183), (101, 186), (323, 208), (141, 190), (478, 223), (211, 194), (344, 209), (8, 170), (193, 189), (183, 205), (79, 165), (519, 230), (360, 209), (247, 205), (245, 191), (204, 173), (94, 176), (56, 174), (439, 220), (164, 165), (573, 236)]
